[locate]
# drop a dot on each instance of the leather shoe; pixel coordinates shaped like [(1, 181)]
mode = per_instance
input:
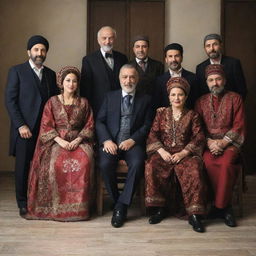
[(118, 218), (229, 218), (158, 216), (196, 223), (23, 211)]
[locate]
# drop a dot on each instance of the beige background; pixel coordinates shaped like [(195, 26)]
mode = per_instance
[(64, 22)]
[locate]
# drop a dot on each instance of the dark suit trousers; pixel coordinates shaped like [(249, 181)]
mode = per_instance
[(24, 154), (135, 159)]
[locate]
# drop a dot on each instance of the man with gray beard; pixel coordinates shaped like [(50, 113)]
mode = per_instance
[(232, 67), (122, 126), (223, 116), (100, 69)]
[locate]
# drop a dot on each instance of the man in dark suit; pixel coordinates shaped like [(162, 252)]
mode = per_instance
[(122, 126), (173, 59), (100, 69), (29, 86), (147, 68), (235, 80)]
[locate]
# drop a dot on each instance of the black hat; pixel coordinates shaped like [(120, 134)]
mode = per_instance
[(37, 39), (174, 46), (140, 38), (213, 36)]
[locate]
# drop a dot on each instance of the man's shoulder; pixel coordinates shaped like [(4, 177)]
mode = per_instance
[(47, 69), (227, 59), (20, 66), (155, 62), (234, 95), (93, 55), (203, 64), (204, 98), (165, 76)]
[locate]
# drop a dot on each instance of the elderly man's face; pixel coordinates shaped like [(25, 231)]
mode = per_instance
[(216, 83), (38, 54), (173, 59), (140, 49), (128, 79), (106, 39), (213, 48)]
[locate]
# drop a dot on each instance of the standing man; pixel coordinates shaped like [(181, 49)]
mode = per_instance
[(29, 86), (235, 80), (122, 126), (147, 68), (224, 119), (100, 69), (173, 58)]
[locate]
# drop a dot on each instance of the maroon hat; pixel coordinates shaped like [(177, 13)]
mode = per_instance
[(178, 82), (214, 69)]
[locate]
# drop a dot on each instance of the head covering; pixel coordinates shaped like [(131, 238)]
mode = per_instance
[(174, 46), (140, 38), (214, 69), (60, 76), (213, 36), (178, 82), (37, 39)]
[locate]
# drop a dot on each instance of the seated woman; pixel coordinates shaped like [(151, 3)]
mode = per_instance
[(60, 178), (174, 146)]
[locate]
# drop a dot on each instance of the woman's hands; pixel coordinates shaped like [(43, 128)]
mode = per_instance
[(69, 145), (174, 158)]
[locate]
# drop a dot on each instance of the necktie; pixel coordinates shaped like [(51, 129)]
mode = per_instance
[(127, 101), (142, 64)]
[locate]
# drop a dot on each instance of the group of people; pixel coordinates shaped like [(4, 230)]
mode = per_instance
[(166, 126)]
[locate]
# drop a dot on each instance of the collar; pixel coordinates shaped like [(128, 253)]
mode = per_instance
[(34, 67), (138, 60), (175, 73), (125, 93)]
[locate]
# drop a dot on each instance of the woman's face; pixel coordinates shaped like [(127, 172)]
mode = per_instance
[(177, 97), (70, 83)]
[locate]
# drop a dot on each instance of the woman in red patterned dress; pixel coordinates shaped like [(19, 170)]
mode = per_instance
[(60, 179), (174, 147)]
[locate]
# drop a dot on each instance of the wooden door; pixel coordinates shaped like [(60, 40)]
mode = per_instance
[(129, 18), (238, 29)]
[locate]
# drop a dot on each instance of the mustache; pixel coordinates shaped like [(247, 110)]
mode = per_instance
[(174, 62)]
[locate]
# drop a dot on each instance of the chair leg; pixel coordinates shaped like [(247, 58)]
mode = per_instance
[(142, 197), (100, 192)]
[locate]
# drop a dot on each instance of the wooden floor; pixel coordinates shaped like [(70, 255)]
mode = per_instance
[(97, 237)]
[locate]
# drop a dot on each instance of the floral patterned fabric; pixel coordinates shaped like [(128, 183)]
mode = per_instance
[(60, 181), (188, 171)]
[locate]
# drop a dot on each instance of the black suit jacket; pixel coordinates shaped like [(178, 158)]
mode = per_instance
[(147, 79), (108, 119), (161, 97), (23, 100), (234, 74), (95, 81)]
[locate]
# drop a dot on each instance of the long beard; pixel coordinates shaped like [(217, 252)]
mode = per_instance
[(217, 90), (38, 60)]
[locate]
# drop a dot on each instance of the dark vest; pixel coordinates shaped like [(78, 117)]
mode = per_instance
[(125, 123)]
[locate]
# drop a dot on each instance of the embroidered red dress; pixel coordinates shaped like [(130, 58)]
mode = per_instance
[(188, 134), (223, 116), (60, 180)]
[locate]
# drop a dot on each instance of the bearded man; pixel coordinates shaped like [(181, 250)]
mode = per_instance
[(235, 80), (223, 116), (122, 126)]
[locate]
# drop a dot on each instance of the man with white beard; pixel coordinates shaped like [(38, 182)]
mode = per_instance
[(100, 69)]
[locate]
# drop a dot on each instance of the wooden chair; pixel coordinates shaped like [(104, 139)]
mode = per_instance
[(238, 190), (121, 172)]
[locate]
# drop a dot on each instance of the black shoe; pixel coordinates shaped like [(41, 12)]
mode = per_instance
[(23, 211), (158, 216), (229, 218), (118, 218), (196, 223)]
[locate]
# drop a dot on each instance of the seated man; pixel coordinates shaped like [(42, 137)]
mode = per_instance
[(224, 119), (122, 126)]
